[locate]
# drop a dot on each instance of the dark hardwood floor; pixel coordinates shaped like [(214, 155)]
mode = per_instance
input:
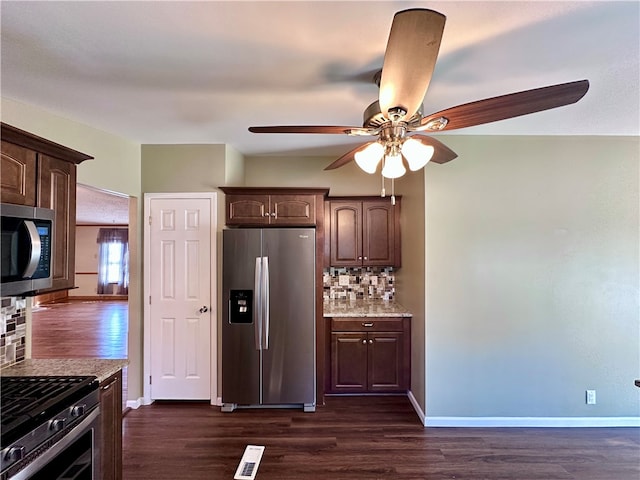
[(364, 438), (81, 329)]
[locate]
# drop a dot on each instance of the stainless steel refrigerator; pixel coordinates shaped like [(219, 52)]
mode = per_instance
[(268, 327)]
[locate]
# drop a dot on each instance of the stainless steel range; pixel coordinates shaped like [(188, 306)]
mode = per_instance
[(49, 428)]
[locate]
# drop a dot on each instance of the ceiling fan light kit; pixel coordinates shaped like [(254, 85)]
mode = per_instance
[(369, 157), (417, 153), (393, 166), (409, 61)]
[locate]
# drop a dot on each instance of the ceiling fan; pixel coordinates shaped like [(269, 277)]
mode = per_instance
[(409, 61)]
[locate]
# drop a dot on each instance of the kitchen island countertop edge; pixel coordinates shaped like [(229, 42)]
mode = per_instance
[(99, 367)]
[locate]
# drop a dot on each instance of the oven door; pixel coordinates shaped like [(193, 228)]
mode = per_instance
[(75, 456)]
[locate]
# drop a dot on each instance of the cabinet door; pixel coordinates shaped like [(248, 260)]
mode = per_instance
[(18, 175), (385, 362), (111, 424), (57, 190), (378, 233), (293, 210), (346, 234), (348, 362), (247, 209)]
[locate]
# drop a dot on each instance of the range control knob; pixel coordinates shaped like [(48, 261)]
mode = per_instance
[(15, 453), (78, 410), (57, 424)]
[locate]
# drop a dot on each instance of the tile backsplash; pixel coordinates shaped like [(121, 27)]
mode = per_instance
[(13, 330), (358, 283)]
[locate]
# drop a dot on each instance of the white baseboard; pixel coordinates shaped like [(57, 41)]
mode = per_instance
[(416, 406), (532, 421), (135, 404)]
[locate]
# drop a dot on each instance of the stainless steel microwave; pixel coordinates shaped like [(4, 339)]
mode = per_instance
[(26, 250)]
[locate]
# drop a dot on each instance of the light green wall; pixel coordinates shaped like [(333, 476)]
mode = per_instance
[(410, 279), (183, 168), (116, 163), (234, 166), (273, 171), (533, 277)]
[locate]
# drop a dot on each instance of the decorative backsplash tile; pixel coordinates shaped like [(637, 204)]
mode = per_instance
[(354, 283), (13, 330)]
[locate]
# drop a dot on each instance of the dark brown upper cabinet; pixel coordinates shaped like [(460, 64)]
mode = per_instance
[(364, 232), (38, 172), (250, 206)]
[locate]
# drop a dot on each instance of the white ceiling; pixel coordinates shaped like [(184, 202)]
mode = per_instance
[(202, 72), (98, 207)]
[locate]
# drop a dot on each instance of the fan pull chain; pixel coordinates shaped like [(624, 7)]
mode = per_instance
[(393, 192), (382, 192)]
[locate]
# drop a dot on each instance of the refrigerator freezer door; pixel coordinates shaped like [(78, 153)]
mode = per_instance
[(289, 362), (240, 358)]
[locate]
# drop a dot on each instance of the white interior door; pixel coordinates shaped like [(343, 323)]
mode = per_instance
[(181, 308)]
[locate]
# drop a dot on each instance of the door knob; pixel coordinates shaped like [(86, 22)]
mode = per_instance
[(204, 309)]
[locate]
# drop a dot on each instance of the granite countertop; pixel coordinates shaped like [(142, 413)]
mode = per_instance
[(364, 308), (99, 367)]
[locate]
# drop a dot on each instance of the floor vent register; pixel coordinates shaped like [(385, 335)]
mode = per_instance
[(249, 462)]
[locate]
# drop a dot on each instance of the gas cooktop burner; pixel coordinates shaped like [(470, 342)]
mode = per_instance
[(27, 401)]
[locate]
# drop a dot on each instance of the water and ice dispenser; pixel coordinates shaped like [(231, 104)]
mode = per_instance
[(241, 306)]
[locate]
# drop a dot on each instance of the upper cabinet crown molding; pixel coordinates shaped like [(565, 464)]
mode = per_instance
[(14, 135)]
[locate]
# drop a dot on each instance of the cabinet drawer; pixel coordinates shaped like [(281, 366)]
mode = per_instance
[(367, 324)]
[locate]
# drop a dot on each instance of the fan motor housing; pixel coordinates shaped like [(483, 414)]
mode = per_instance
[(373, 117)]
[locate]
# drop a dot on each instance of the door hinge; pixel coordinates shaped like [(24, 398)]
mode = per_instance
[(149, 299), (149, 219), (150, 380)]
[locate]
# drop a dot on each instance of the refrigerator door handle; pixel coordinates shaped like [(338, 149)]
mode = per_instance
[(257, 321), (265, 301)]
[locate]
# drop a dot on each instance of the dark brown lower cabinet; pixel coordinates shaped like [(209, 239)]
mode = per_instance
[(370, 355), (111, 413)]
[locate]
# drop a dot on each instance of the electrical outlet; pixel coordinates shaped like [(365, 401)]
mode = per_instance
[(591, 397)]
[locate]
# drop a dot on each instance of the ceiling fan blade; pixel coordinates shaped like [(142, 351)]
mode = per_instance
[(409, 60), (441, 153), (346, 158), (505, 106), (305, 129)]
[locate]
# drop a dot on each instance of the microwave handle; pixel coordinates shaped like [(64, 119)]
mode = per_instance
[(36, 249)]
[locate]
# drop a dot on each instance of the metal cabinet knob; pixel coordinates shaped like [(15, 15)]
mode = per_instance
[(365, 258), (364, 342), (204, 309), (367, 324), (370, 341)]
